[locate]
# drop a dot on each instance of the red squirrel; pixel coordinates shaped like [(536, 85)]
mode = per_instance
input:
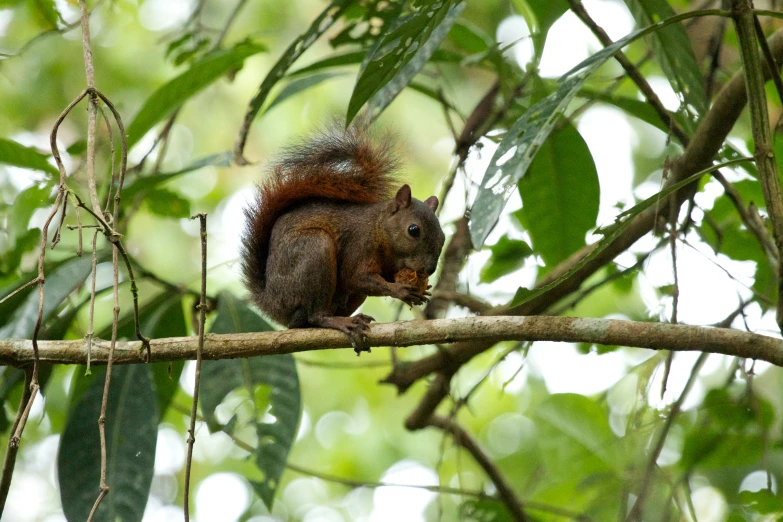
[(326, 230)]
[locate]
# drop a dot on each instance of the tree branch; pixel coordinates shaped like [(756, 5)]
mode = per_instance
[(755, 75), (656, 336)]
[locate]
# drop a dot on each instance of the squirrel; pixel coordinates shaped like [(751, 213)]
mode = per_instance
[(327, 230)]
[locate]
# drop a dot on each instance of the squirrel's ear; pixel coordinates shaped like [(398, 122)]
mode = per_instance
[(403, 197), (432, 202)]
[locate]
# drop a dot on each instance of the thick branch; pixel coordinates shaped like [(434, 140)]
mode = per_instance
[(744, 22), (656, 336), (713, 129)]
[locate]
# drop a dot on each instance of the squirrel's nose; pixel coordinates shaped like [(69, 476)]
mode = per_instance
[(431, 269)]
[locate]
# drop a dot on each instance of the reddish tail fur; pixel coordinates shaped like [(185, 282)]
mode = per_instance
[(336, 165)]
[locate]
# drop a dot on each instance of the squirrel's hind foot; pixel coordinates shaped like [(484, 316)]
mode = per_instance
[(355, 328)]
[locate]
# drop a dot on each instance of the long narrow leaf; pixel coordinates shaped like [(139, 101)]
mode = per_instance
[(520, 144), (398, 48), (17, 155), (173, 94), (320, 25), (381, 99), (131, 436), (674, 51)]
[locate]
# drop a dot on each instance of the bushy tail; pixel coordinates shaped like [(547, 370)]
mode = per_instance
[(335, 164)]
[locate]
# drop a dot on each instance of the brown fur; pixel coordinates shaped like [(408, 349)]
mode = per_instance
[(326, 230)]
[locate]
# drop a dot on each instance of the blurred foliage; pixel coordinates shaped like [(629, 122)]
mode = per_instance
[(293, 429)]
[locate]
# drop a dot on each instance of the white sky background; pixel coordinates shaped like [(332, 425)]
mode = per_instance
[(707, 295)]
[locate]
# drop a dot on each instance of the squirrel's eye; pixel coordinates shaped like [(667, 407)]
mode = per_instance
[(413, 230)]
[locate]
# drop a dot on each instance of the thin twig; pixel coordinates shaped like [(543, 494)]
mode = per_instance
[(80, 246), (464, 439), (202, 306), (636, 511), (751, 220), (231, 17), (59, 228), (90, 329), (16, 436), (103, 486), (772, 65), (10, 456), (632, 71), (113, 179), (27, 284), (114, 238)]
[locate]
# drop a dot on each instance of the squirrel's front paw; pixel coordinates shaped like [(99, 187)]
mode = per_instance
[(411, 295)]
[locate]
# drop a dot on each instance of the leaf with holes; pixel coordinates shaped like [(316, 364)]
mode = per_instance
[(252, 376), (383, 97), (131, 437), (560, 196), (400, 46), (520, 144), (173, 94), (674, 51), (17, 155)]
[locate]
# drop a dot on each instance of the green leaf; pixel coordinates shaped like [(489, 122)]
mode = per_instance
[(560, 196), (13, 153), (162, 316), (10, 260), (131, 436), (612, 232), (397, 48), (520, 144), (59, 285), (466, 36), (763, 501), (320, 25), (173, 94), (350, 58), (47, 11), (546, 12), (298, 85), (25, 205), (633, 107), (508, 255), (77, 147), (401, 79), (484, 510), (582, 424), (674, 51), (278, 372), (364, 21), (10, 379), (141, 185), (166, 203)]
